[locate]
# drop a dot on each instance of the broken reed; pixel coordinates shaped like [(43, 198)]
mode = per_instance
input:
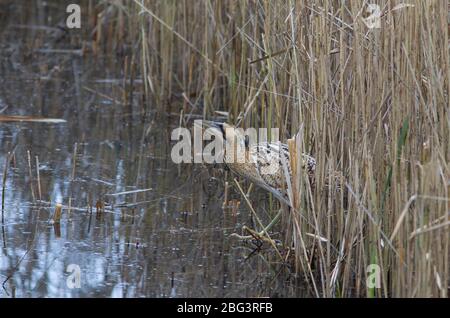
[(8, 159), (57, 214), (374, 105)]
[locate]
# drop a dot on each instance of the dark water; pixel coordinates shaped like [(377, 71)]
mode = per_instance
[(171, 240)]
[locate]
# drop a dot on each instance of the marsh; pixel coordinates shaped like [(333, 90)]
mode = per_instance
[(94, 206)]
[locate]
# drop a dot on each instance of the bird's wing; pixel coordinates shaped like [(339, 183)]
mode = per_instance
[(268, 160)]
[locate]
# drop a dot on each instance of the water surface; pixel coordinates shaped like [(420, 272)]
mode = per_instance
[(172, 239)]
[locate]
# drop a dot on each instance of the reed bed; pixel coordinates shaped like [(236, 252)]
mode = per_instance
[(372, 104)]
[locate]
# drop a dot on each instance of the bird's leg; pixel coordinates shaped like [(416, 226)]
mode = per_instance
[(272, 223), (256, 236), (260, 234)]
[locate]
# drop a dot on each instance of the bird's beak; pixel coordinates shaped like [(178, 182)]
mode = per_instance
[(209, 124)]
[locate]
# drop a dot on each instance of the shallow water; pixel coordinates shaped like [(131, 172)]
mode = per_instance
[(171, 240)]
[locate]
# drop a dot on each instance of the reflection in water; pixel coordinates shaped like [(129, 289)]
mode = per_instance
[(171, 240)]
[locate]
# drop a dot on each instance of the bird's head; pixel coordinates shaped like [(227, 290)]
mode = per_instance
[(229, 133), (221, 129), (232, 137)]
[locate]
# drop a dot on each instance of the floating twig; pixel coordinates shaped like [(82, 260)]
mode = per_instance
[(129, 192), (16, 118)]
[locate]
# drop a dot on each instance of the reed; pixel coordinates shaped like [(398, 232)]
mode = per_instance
[(57, 214), (373, 105), (38, 176), (30, 175)]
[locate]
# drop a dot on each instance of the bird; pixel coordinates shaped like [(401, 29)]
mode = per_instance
[(266, 164)]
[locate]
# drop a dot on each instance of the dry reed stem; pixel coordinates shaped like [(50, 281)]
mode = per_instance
[(352, 89)]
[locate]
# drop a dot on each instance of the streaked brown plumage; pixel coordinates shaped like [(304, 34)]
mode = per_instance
[(265, 163)]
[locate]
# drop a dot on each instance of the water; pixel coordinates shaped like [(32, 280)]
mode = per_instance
[(171, 240)]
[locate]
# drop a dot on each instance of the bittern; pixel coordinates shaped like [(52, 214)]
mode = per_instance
[(266, 164)]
